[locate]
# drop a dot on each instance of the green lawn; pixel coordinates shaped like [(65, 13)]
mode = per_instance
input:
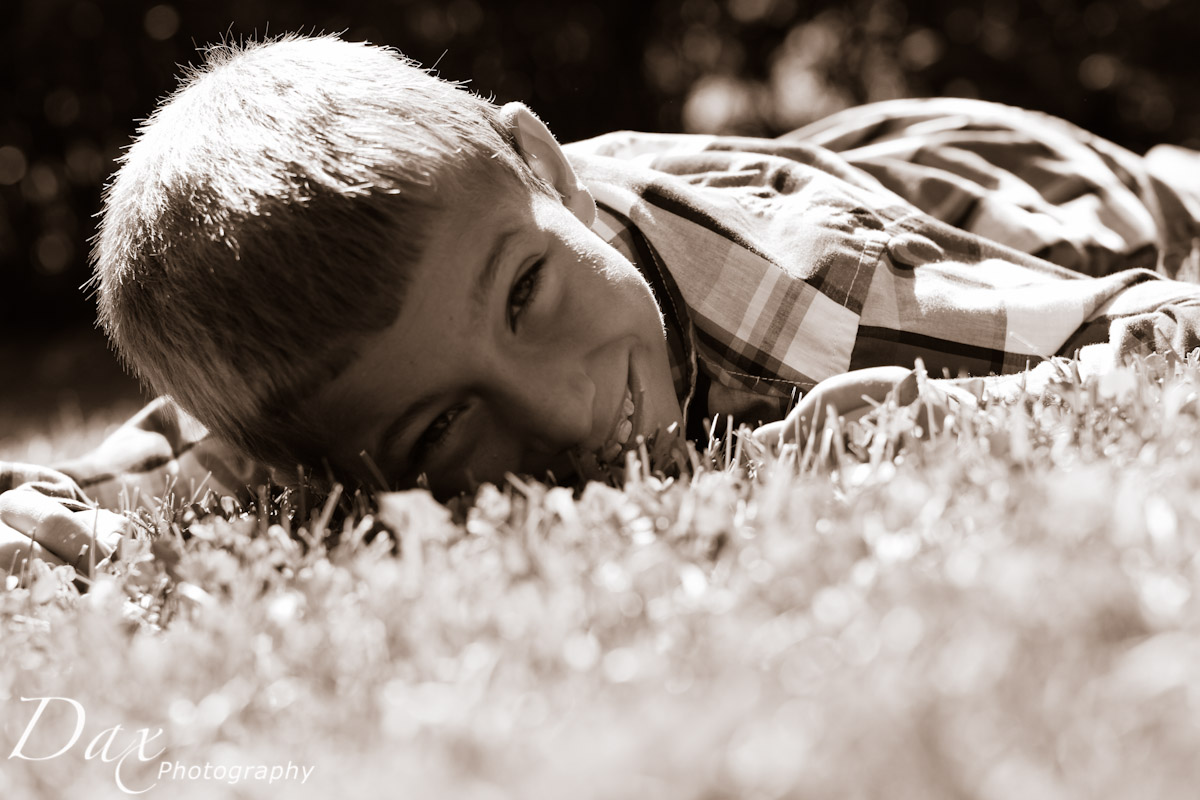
[(1004, 610)]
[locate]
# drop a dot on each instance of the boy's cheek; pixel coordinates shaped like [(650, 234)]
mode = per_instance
[(486, 462)]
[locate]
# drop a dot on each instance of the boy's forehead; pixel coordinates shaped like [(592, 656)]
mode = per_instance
[(479, 182), (473, 226)]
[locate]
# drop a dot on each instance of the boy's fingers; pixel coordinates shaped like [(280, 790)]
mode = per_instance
[(855, 395), (67, 534), (792, 428), (16, 548), (908, 389), (770, 435), (852, 395)]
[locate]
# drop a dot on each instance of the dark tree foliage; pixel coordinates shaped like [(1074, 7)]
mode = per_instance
[(78, 73)]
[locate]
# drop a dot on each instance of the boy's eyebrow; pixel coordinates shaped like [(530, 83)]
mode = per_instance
[(491, 268)]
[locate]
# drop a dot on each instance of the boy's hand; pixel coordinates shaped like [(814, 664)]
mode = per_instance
[(849, 395), (33, 524), (855, 394)]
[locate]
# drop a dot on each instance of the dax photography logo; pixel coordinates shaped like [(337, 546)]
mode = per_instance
[(112, 745), (127, 748)]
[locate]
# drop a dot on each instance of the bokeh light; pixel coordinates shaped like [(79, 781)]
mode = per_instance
[(12, 165), (83, 71), (161, 22)]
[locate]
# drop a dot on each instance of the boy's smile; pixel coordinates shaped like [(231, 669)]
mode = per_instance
[(523, 338)]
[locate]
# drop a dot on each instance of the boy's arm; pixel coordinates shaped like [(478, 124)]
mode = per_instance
[(1150, 316), (55, 514), (161, 450), (1028, 180)]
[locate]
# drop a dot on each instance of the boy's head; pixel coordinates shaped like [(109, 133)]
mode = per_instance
[(315, 246)]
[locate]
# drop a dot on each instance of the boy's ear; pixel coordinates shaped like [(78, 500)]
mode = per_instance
[(546, 158)]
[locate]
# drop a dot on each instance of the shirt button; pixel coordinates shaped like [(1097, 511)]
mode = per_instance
[(913, 250)]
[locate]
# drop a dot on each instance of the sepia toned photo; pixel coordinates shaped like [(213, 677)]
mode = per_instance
[(713, 399)]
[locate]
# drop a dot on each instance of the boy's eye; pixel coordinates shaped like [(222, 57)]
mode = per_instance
[(523, 292), (435, 435)]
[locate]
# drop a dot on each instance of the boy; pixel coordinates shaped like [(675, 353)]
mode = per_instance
[(329, 257)]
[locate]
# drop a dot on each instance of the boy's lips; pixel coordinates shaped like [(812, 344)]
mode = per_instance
[(625, 431)]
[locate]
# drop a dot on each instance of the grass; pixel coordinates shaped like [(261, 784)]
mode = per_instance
[(1004, 609)]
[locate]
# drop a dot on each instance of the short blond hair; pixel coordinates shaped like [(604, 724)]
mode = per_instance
[(261, 222)]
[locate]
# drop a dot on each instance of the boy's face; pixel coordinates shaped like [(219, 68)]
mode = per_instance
[(521, 336)]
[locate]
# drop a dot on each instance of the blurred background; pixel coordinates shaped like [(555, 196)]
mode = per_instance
[(79, 73)]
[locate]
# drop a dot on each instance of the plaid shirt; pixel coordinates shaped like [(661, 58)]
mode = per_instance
[(955, 231)]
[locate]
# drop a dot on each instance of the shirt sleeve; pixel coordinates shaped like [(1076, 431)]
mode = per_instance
[(1027, 180), (161, 450), (1147, 316), (73, 513)]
